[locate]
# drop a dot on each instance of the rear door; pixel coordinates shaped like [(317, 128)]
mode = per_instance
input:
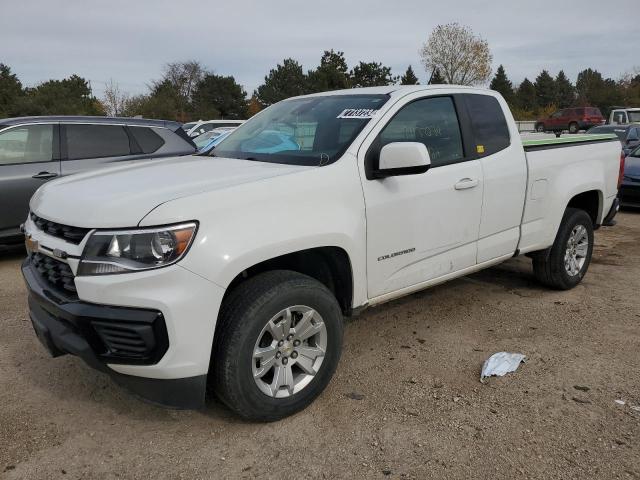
[(90, 146), (504, 168), (555, 120), (29, 156)]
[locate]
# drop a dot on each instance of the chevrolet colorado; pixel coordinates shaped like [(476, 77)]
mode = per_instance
[(234, 270)]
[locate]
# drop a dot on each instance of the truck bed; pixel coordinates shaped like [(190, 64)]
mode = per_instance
[(556, 166)]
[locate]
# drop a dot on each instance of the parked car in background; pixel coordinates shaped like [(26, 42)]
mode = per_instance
[(571, 119), (204, 139), (630, 189), (203, 127), (623, 116), (206, 149), (36, 149), (629, 135), (189, 125), (237, 270)]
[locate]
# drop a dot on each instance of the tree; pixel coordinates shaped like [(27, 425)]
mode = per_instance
[(458, 54), (218, 96), (409, 78), (565, 91), (331, 74), (254, 106), (545, 89), (436, 78), (526, 98), (69, 96), (182, 78), (503, 85), (629, 86), (114, 99), (284, 81), (371, 74), (594, 90), (10, 91)]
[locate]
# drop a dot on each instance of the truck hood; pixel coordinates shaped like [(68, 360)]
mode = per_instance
[(121, 196)]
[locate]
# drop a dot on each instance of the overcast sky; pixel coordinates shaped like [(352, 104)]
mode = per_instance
[(130, 41)]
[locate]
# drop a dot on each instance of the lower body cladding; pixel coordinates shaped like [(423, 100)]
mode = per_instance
[(151, 331)]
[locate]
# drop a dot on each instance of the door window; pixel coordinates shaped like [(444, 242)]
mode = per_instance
[(96, 141), (489, 125), (431, 121), (26, 144)]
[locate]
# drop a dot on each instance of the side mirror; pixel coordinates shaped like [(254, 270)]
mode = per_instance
[(403, 158)]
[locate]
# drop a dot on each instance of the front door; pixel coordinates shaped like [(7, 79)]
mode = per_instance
[(424, 226), (29, 156)]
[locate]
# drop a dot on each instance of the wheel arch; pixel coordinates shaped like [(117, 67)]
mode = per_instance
[(330, 265), (591, 201)]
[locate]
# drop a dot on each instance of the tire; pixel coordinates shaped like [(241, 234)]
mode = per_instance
[(573, 128), (550, 268), (540, 128), (254, 310)]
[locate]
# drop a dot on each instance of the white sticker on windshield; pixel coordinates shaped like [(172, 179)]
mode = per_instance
[(358, 113)]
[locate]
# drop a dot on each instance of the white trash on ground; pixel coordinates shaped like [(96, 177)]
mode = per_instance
[(500, 364)]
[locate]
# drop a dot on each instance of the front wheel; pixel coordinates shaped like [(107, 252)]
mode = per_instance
[(566, 263), (277, 345), (540, 128)]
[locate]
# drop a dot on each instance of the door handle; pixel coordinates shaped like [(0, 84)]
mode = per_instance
[(45, 175), (466, 183)]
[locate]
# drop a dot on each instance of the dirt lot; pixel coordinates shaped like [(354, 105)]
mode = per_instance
[(406, 401)]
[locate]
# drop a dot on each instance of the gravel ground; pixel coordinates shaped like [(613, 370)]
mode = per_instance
[(406, 401)]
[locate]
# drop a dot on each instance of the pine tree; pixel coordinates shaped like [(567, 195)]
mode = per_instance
[(526, 96), (565, 91), (436, 78), (503, 85), (545, 89), (409, 78)]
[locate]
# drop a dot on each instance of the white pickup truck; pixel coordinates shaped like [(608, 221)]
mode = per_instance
[(235, 270)]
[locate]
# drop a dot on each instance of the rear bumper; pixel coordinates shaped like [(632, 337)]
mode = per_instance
[(106, 336)]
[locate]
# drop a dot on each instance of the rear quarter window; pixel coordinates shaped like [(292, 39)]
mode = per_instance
[(489, 124), (148, 140)]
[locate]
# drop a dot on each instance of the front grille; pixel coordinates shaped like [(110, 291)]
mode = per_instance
[(56, 274), (70, 234), (126, 340)]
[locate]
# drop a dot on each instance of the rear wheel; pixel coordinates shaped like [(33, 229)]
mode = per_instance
[(573, 127), (566, 263), (540, 128), (277, 345)]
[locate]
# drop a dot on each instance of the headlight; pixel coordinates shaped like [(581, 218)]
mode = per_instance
[(121, 251)]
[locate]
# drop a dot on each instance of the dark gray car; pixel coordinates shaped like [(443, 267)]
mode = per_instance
[(36, 149)]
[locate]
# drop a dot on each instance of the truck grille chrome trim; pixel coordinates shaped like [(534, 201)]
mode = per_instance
[(71, 234)]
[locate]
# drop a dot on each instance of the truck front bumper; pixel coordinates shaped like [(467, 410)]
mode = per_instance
[(141, 345)]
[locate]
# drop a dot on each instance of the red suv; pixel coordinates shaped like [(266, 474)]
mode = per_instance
[(572, 119)]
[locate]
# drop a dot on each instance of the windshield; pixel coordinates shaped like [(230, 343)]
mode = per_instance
[(634, 117), (304, 131)]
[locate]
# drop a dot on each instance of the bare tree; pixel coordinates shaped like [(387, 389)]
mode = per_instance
[(461, 57), (182, 78), (114, 100)]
